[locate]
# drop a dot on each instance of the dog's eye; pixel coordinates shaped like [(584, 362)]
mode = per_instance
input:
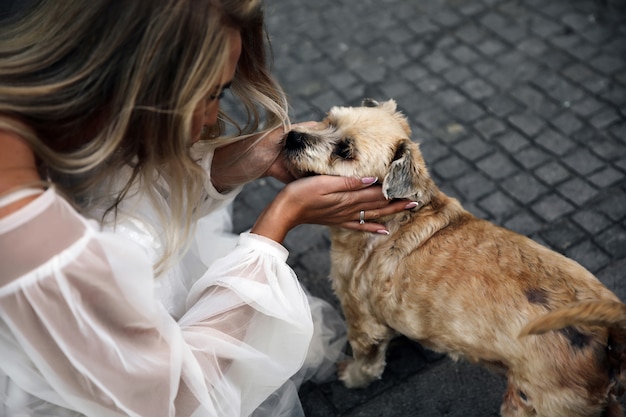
[(344, 149), (523, 396)]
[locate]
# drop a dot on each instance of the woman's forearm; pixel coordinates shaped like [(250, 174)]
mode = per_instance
[(246, 160)]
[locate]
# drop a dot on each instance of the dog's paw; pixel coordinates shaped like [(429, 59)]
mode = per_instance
[(352, 375)]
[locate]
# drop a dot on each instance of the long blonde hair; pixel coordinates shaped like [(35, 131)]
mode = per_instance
[(97, 85)]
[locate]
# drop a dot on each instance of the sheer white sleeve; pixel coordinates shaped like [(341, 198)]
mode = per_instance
[(80, 327)]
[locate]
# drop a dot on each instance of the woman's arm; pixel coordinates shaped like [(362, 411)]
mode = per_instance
[(246, 160), (84, 331), (252, 158)]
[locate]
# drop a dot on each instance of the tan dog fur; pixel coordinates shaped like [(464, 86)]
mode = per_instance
[(458, 284)]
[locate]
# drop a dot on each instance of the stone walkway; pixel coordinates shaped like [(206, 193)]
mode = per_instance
[(520, 109)]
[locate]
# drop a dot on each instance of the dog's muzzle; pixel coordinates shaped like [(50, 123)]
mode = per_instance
[(295, 140)]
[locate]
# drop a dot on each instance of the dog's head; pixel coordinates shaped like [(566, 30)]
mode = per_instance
[(368, 141)]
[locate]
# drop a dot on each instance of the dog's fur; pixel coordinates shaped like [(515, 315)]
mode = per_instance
[(459, 284)]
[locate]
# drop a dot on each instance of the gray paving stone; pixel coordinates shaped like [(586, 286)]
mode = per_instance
[(473, 148), (531, 157), (501, 105), (474, 185), (613, 277), (552, 207), (587, 106), (567, 122), (499, 206), (613, 205), (477, 89), (524, 223), (619, 131), (535, 101), (555, 142), (552, 173), (512, 141), (449, 97), (559, 88), (433, 151), (467, 112), (578, 72), (589, 255), (544, 27), (583, 162), (605, 118), (451, 167), (490, 127), (592, 221), (607, 177), (527, 123), (562, 235), (490, 46), (469, 32), (524, 188), (578, 191), (497, 166), (613, 241), (430, 84)]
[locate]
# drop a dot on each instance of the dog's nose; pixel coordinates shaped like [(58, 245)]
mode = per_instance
[(295, 140)]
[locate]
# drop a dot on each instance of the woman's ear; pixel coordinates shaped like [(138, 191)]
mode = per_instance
[(407, 176)]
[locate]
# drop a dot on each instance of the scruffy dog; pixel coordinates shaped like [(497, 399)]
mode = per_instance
[(458, 284)]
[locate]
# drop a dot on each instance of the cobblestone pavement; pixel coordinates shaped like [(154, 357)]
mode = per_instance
[(520, 109)]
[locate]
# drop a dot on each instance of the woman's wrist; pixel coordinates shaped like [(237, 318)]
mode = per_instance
[(275, 221)]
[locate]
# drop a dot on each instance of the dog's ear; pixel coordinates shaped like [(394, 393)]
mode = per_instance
[(389, 105), (369, 102), (407, 176)]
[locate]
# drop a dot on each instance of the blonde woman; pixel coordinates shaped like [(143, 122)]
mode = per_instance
[(119, 293)]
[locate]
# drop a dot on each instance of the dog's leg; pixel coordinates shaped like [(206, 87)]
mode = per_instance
[(368, 348)]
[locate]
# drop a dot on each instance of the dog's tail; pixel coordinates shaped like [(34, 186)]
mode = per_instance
[(592, 313), (604, 313)]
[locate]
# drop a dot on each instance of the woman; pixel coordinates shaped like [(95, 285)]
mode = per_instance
[(118, 297)]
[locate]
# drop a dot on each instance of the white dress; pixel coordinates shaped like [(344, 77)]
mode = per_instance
[(86, 329)]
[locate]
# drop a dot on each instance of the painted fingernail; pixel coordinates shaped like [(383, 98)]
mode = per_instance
[(369, 180), (383, 232), (411, 205)]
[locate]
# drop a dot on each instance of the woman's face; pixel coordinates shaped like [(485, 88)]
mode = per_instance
[(206, 113)]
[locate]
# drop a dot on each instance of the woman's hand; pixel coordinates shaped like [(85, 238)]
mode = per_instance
[(327, 200)]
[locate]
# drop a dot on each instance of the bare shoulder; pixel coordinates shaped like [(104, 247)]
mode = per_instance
[(17, 169)]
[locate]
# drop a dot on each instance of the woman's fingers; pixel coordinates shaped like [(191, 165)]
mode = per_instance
[(329, 201), (367, 227), (361, 204), (366, 220)]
